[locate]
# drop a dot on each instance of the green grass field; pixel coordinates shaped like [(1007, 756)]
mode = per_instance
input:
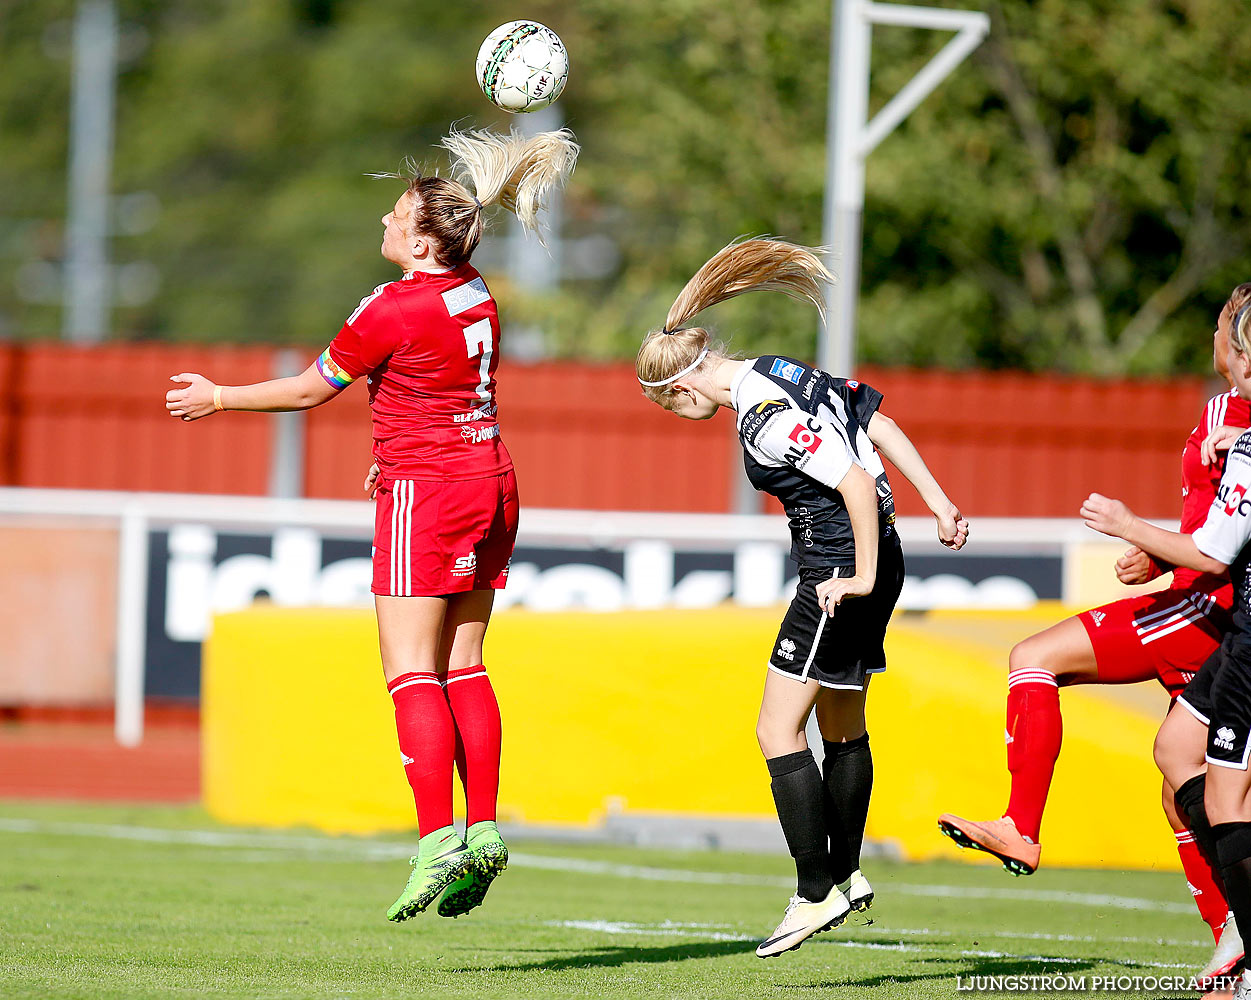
[(161, 902)]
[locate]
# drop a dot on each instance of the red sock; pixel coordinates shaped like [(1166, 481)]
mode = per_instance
[(424, 725), (1033, 735), (1203, 882), (477, 716)]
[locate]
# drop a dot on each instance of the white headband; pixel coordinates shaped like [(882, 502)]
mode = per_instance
[(685, 371)]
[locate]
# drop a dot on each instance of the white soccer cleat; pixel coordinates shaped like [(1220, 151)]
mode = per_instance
[(1243, 990), (1229, 952), (858, 892), (802, 920)]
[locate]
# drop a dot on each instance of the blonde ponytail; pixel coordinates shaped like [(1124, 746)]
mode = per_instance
[(755, 265), (513, 170)]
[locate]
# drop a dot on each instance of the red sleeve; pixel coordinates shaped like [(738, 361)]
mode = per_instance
[(370, 336)]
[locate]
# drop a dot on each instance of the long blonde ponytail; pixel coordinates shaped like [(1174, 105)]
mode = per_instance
[(754, 265), (757, 265), (513, 170)]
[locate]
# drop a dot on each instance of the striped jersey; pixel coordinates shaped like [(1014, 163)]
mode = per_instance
[(1200, 484), (801, 431), (428, 346)]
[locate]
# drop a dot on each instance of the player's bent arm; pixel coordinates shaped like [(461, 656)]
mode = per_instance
[(859, 492), (1114, 518), (889, 439), (202, 397)]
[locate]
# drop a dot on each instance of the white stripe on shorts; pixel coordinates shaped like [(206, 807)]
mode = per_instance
[(1147, 622), (401, 538), (816, 641)]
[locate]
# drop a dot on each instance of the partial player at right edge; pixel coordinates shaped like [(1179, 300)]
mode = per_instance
[(1223, 686)]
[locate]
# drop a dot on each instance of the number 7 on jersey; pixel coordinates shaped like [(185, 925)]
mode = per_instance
[(478, 341)]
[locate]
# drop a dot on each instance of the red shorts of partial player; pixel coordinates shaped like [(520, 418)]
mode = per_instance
[(1166, 635), (433, 538)]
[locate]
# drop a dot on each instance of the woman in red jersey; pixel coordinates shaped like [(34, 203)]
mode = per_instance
[(446, 514), (1165, 636)]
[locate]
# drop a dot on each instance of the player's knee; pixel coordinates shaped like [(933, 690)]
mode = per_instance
[(1029, 652), (1162, 753)]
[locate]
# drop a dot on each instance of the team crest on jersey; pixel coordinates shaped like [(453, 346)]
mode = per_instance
[(758, 417), (852, 384), (787, 370)]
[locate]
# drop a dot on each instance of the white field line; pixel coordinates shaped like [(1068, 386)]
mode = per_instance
[(669, 930), (675, 927), (352, 848)]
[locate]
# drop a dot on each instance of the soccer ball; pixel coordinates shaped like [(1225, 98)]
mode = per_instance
[(522, 66)]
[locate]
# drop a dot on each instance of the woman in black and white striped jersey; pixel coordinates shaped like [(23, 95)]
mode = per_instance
[(812, 441)]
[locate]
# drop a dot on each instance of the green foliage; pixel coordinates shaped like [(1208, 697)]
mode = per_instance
[(1069, 198)]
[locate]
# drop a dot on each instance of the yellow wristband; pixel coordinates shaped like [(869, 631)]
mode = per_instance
[(217, 398)]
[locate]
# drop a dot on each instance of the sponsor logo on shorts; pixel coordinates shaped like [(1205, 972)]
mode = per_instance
[(477, 435), (507, 566), (1007, 738), (786, 649), (405, 759), (787, 370), (465, 565), (1224, 738), (1097, 617)]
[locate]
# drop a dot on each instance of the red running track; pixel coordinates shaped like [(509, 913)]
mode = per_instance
[(82, 761)]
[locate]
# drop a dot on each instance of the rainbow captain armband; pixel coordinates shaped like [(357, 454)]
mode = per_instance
[(331, 372)]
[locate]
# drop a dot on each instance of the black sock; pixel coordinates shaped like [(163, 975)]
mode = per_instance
[(1189, 802), (1233, 847), (797, 794), (848, 785)]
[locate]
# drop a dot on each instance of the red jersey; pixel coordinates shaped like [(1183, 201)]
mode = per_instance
[(1199, 483), (428, 345)]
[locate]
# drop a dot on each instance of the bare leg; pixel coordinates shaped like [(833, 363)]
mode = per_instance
[(410, 631), (783, 715)]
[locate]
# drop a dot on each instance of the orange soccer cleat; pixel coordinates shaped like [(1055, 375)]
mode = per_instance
[(999, 837)]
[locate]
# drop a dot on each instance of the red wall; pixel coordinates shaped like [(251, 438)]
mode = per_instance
[(583, 436)]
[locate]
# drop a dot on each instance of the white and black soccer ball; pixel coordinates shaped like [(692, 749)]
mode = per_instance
[(522, 66)]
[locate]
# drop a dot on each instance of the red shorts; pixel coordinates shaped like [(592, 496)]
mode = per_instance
[(434, 538), (1166, 635)]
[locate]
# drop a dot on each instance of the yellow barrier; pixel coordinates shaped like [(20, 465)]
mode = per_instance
[(652, 713)]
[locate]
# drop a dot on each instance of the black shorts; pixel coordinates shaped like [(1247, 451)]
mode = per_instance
[(839, 651), (1220, 697)]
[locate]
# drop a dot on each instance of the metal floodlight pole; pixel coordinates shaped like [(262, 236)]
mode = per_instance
[(850, 137), (85, 278)]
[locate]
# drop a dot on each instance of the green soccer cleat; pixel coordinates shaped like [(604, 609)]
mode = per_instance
[(490, 857), (429, 877)]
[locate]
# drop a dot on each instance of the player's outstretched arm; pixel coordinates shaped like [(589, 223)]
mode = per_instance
[(200, 397), (888, 438), (859, 492), (1112, 517)]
